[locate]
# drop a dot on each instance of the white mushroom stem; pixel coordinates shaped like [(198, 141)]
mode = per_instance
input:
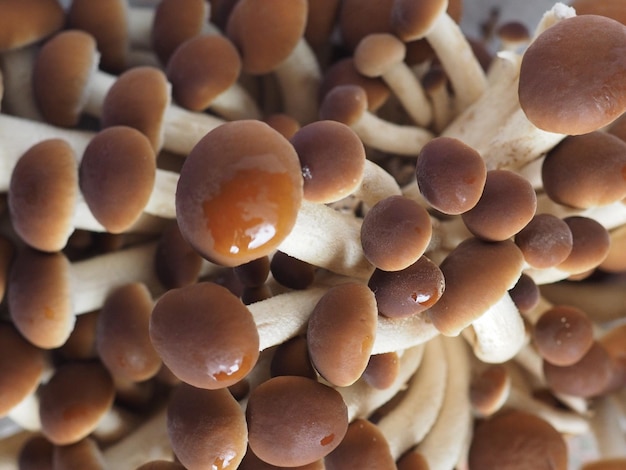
[(235, 103), (438, 448), (411, 419), (610, 216), (607, 429), (26, 413), (410, 93), (376, 185), (17, 71), (139, 21)]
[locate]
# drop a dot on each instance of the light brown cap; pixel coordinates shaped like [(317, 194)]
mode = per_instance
[(516, 440), (25, 22), (36, 454), (207, 428), (202, 68), (74, 400), (586, 170), (176, 263), (477, 275), (107, 22), (82, 454), (408, 291), (563, 335), (253, 273), (286, 125), (377, 53), (292, 272), (606, 464), (205, 335), (525, 293), (590, 245), (332, 158), (266, 33), (490, 389), (22, 366), (295, 421), (344, 103), (239, 192), (176, 21), (42, 196), (116, 176), (358, 18), (450, 175), (546, 241), (382, 370), (577, 92), (61, 75), (292, 358), (364, 446), (40, 297), (122, 340), (507, 204), (341, 332), (343, 72), (411, 19), (395, 232)]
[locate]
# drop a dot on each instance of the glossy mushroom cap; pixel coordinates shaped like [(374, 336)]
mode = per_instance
[(516, 440), (579, 91), (42, 196), (295, 421), (239, 192), (207, 428), (545, 241), (116, 176), (395, 232), (205, 335), (25, 22)]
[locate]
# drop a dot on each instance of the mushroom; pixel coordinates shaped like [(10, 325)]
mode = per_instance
[(513, 35), (36, 453), (82, 453), (546, 241), (382, 370)]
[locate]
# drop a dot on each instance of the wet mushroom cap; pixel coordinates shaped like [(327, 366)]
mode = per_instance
[(239, 192), (332, 158), (545, 241), (395, 232), (579, 91), (205, 335), (295, 421), (341, 332), (206, 428), (42, 195), (516, 440), (116, 176)]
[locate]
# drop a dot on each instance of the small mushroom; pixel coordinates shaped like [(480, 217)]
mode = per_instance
[(84, 453)]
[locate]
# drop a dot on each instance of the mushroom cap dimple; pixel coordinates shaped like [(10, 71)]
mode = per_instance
[(571, 76), (239, 192)]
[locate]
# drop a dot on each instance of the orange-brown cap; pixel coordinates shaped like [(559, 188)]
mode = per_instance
[(546, 241), (292, 272), (477, 275), (207, 428), (201, 68), (382, 370), (413, 460), (160, 465), (606, 464), (320, 22), (395, 233), (285, 124), (205, 335), (176, 263), (516, 440), (42, 195), (364, 446), (266, 33), (239, 192), (116, 176), (358, 18), (577, 92), (344, 103), (81, 344), (525, 293), (123, 340), (295, 421), (341, 332), (74, 400), (61, 76), (590, 245), (490, 389), (40, 298), (252, 462), (82, 454), (332, 158), (25, 22), (7, 251), (413, 19), (611, 8)]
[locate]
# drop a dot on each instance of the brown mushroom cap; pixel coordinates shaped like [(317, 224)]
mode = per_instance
[(341, 332), (7, 251), (283, 123), (606, 464), (563, 335), (207, 428), (577, 91), (408, 291), (490, 389), (25, 22), (116, 176), (395, 233), (450, 175), (202, 68), (61, 74), (292, 358), (590, 245), (82, 454), (320, 22), (253, 273), (160, 465), (611, 8), (377, 53), (344, 103), (292, 272), (525, 293), (74, 400), (176, 263), (382, 370), (545, 241), (413, 460), (239, 192), (40, 298), (358, 18), (477, 275), (332, 158), (81, 344), (205, 335), (252, 462), (507, 204), (586, 170), (42, 195), (516, 440), (295, 421), (36, 454), (267, 33), (122, 340), (412, 19)]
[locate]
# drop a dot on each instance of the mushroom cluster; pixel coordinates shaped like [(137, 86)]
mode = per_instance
[(337, 234)]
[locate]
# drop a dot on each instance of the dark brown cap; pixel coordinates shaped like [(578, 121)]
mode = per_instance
[(205, 335), (320, 22), (358, 18), (25, 22), (36, 454), (545, 241), (239, 192), (292, 272), (160, 465), (525, 293), (176, 263), (382, 370), (292, 358)]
